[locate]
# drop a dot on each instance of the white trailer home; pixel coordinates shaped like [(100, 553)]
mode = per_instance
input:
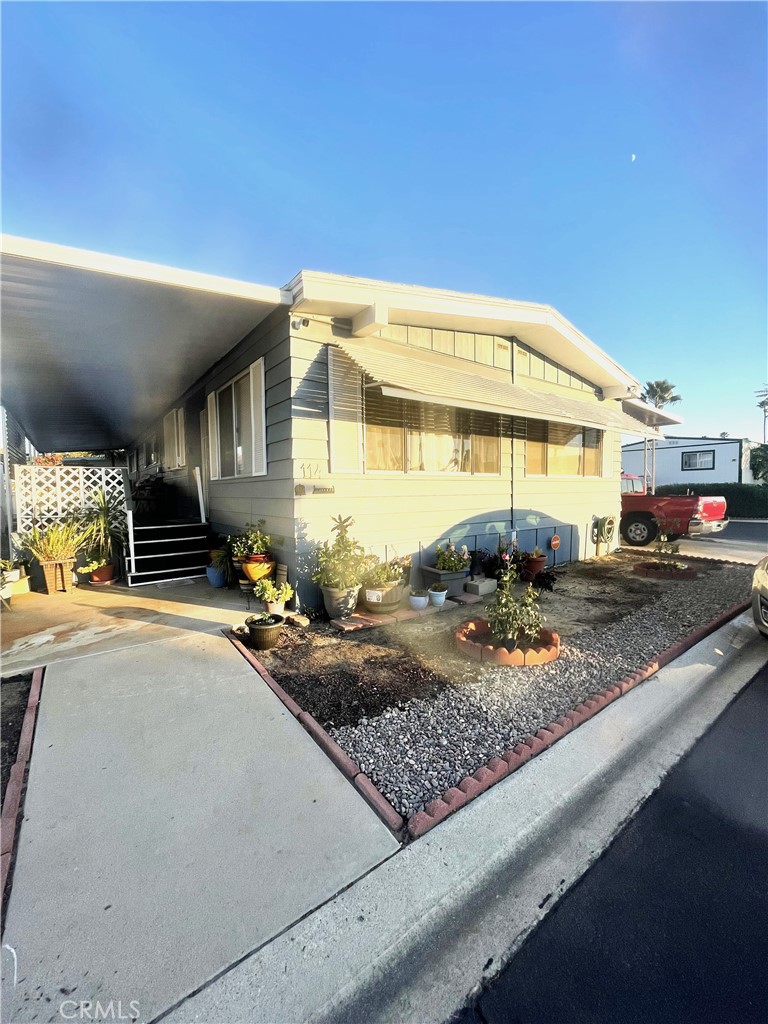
[(691, 460)]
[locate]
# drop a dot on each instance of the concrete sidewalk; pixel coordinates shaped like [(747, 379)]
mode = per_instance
[(176, 819), (408, 942)]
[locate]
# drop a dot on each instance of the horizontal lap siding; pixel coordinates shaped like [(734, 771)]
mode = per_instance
[(563, 505), (394, 514), (233, 503)]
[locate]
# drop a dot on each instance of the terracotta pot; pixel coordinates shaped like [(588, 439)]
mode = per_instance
[(257, 558), (532, 567), (275, 607), (103, 575)]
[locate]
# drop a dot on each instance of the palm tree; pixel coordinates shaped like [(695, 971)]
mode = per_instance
[(660, 393), (762, 394)]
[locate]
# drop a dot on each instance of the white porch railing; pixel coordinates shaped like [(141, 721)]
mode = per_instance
[(46, 493)]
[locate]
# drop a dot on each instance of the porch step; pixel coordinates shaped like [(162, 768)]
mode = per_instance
[(164, 552)]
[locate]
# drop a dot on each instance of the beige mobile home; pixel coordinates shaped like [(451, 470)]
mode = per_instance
[(424, 414)]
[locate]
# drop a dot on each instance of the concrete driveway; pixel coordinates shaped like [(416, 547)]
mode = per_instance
[(177, 818), (743, 540)]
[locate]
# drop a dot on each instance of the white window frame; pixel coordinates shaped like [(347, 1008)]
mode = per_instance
[(697, 468), (174, 440), (258, 424)]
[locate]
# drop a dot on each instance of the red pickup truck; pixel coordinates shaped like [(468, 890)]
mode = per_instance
[(679, 515)]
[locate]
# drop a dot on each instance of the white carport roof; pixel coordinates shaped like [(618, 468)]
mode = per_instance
[(96, 347)]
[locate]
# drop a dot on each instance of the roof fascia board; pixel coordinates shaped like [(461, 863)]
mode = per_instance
[(139, 270), (347, 296)]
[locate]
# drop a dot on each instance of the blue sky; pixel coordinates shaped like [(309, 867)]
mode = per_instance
[(480, 147)]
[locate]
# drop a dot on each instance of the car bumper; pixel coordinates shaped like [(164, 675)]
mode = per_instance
[(760, 611), (699, 527)]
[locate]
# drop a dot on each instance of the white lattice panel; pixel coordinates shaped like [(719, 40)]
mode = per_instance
[(46, 493)]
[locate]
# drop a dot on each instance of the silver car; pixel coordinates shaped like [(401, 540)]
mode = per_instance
[(760, 595)]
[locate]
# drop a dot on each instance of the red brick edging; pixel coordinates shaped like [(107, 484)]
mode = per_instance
[(13, 792), (327, 744), (499, 767)]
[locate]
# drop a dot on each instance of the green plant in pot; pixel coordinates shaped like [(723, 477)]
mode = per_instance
[(56, 548), (104, 522), (264, 629), (384, 583), (274, 597), (341, 567), (533, 562), (418, 600)]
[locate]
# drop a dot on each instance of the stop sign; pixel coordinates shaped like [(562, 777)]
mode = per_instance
[(554, 542)]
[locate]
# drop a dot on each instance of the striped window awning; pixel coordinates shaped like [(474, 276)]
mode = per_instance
[(424, 376)]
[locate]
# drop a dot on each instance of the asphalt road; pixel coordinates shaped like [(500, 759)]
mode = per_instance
[(669, 926), (742, 541)]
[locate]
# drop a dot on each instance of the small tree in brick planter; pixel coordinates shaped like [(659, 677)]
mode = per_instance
[(513, 633)]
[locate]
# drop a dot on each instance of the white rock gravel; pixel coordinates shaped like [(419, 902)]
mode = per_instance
[(415, 752)]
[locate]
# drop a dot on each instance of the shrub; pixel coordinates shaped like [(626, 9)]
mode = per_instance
[(343, 564), (60, 542), (745, 501), (267, 591), (514, 619)]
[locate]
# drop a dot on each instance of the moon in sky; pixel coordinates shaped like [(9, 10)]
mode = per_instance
[(633, 158)]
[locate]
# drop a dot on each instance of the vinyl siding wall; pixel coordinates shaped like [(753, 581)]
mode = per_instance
[(235, 502), (395, 513)]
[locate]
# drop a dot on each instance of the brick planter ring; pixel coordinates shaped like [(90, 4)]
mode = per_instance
[(474, 639), (649, 570)]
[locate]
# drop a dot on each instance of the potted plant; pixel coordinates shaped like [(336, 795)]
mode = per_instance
[(341, 567), (103, 520), (264, 629), (11, 570), (533, 562), (219, 572), (437, 594), (273, 597), (383, 584), (418, 600), (56, 549), (451, 568)]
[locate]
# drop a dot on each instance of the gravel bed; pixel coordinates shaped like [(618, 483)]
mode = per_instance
[(413, 753)]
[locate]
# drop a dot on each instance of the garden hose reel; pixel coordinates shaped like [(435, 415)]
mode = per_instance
[(603, 529)]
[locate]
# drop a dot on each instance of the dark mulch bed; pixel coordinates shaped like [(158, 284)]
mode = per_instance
[(343, 679), (14, 693)]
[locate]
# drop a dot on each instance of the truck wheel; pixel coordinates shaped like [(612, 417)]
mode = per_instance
[(638, 531)]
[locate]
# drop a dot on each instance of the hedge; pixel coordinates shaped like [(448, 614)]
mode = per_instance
[(745, 501)]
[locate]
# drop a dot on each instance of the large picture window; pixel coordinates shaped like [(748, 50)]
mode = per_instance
[(236, 426), (560, 449), (412, 437)]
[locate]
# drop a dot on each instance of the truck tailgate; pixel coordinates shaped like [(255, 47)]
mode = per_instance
[(711, 509)]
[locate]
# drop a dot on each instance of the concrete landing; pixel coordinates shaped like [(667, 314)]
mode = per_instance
[(44, 629), (176, 819)]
